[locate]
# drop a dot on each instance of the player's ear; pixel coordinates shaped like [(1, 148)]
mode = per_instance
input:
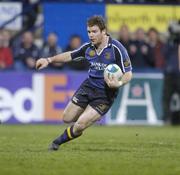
[(104, 31)]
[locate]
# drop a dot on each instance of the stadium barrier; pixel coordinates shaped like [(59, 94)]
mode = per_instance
[(42, 97), (139, 102)]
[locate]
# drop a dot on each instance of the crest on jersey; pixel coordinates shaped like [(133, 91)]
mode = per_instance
[(107, 55), (92, 53)]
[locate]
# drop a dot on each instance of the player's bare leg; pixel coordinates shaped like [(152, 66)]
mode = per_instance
[(87, 118), (72, 113)]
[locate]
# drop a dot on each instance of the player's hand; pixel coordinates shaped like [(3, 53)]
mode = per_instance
[(41, 63), (113, 82)]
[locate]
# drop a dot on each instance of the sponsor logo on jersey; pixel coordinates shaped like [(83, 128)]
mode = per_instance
[(98, 66)]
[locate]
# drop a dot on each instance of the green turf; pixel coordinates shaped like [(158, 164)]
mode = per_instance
[(100, 151)]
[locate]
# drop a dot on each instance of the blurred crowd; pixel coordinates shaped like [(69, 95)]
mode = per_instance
[(146, 49), (21, 53)]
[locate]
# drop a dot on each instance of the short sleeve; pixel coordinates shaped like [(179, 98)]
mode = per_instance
[(122, 57), (79, 53)]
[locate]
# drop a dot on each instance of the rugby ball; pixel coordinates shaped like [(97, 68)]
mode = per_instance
[(113, 70)]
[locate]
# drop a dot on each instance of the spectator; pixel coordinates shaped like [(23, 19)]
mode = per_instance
[(26, 53), (6, 59), (7, 38), (30, 11), (171, 90), (74, 43), (51, 48), (124, 36), (140, 52), (157, 48)]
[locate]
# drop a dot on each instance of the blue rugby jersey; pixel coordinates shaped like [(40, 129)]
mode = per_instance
[(114, 52)]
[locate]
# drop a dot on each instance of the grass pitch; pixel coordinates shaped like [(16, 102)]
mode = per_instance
[(102, 150)]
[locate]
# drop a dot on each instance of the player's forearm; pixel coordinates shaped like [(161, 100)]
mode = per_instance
[(125, 78), (63, 57)]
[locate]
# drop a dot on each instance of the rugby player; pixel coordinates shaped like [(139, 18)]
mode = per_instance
[(95, 95)]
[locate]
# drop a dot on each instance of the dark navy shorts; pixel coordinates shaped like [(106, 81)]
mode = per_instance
[(99, 99)]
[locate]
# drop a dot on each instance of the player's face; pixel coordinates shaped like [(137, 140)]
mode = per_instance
[(95, 35)]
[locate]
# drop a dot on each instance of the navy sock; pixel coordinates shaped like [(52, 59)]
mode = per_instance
[(66, 136)]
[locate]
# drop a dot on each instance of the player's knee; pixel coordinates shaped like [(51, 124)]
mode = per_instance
[(66, 118), (79, 127)]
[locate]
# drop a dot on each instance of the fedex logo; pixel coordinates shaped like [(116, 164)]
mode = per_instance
[(44, 101)]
